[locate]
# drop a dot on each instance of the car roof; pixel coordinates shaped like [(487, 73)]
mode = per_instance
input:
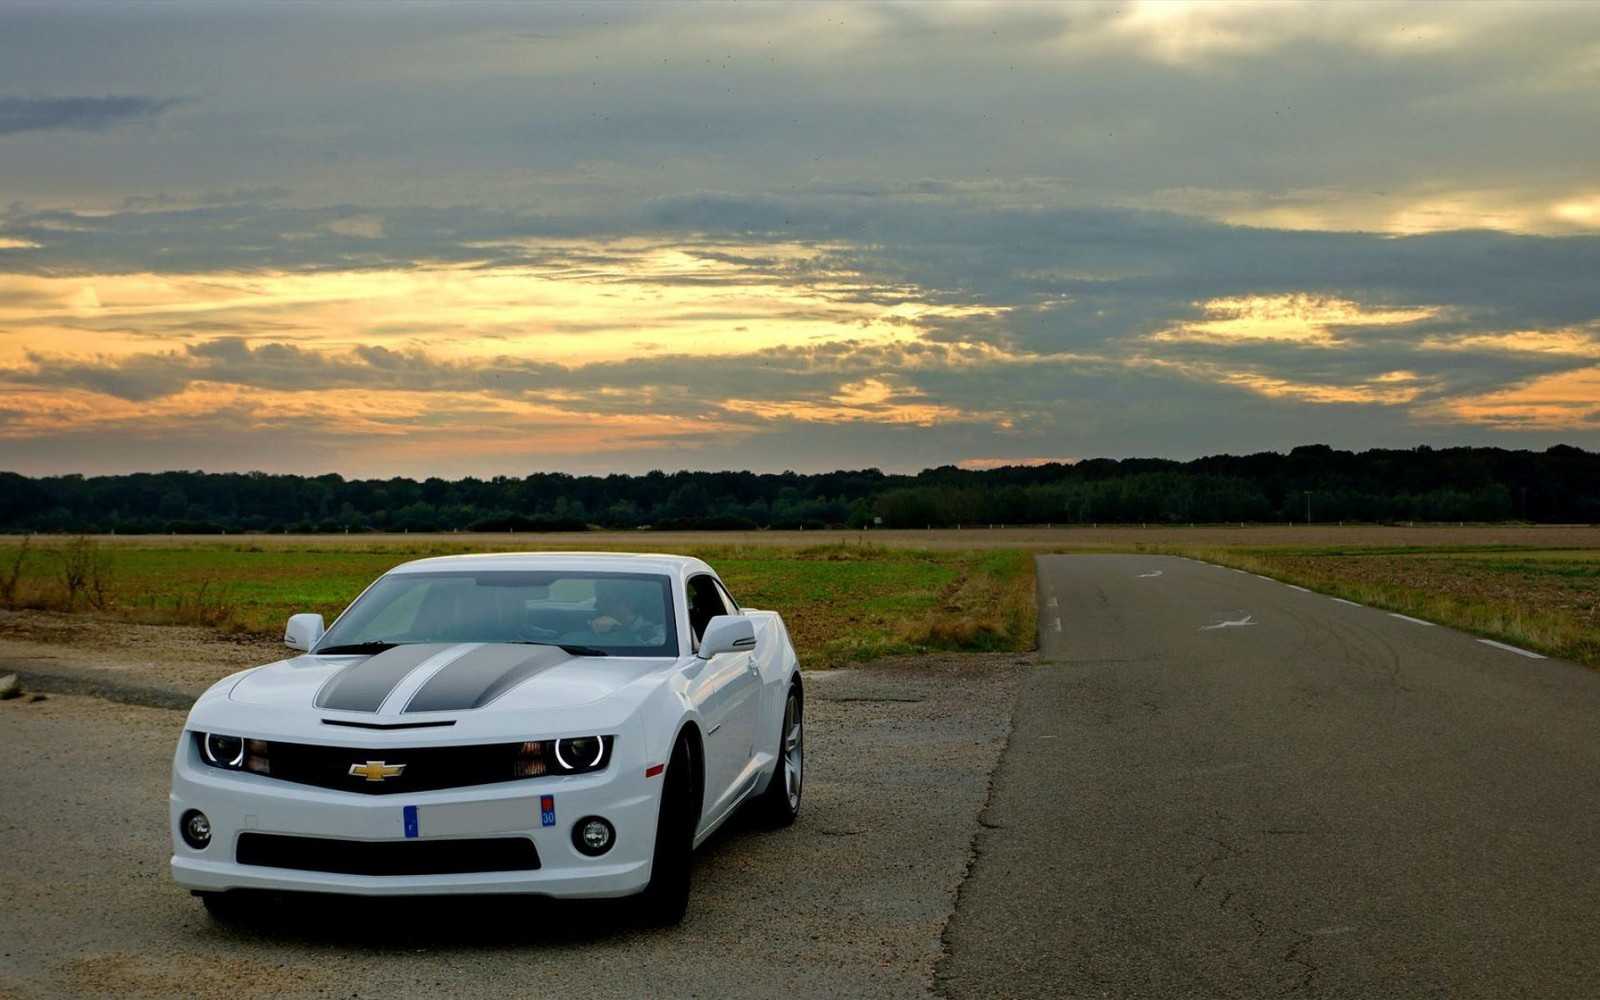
[(609, 562)]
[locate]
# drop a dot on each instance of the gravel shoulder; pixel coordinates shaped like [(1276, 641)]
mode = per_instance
[(171, 657), (851, 901)]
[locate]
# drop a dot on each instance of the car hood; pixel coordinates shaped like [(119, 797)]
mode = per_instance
[(422, 678)]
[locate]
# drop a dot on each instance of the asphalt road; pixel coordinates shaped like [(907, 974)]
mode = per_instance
[(1227, 787)]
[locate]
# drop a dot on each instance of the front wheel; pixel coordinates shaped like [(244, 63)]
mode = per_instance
[(226, 907), (666, 899), (780, 803)]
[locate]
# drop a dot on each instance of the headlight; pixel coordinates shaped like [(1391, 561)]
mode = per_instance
[(580, 753), (569, 755), (234, 753)]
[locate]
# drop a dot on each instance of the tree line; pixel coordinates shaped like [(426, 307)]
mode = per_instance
[(1310, 483)]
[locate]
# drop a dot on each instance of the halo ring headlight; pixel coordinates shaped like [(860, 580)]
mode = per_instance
[(223, 750), (580, 753), (568, 755), (234, 753)]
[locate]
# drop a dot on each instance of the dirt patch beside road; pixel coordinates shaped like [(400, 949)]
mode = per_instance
[(171, 655)]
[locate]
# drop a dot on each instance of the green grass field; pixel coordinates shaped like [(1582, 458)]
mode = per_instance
[(842, 603), (850, 597)]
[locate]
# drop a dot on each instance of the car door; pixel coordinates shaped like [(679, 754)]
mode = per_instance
[(728, 692)]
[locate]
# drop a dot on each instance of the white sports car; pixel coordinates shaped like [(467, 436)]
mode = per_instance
[(571, 725)]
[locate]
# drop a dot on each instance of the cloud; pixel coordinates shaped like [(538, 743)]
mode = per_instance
[(895, 232), (1388, 117), (92, 114), (1010, 331), (278, 367)]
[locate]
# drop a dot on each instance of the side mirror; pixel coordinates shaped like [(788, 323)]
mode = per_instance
[(727, 634), (303, 631)]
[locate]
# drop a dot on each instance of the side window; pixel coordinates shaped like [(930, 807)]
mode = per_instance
[(705, 603)]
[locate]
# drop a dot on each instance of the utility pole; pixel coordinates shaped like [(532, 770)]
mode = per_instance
[(1308, 506)]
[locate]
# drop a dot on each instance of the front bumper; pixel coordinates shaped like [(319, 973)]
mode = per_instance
[(239, 804)]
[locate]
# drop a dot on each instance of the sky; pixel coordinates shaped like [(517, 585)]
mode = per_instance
[(498, 239)]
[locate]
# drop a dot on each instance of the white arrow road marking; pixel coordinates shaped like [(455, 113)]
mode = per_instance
[(1511, 649), (1146, 576), (1241, 622)]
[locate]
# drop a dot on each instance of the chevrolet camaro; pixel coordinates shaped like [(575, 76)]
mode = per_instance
[(571, 725)]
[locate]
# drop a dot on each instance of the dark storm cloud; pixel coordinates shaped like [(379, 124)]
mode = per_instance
[(21, 114)]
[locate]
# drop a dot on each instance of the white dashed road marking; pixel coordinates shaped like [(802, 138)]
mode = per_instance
[(1408, 618), (1511, 649)]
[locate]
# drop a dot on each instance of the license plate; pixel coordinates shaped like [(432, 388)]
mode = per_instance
[(494, 816)]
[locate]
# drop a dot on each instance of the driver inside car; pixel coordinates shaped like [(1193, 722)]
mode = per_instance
[(619, 603)]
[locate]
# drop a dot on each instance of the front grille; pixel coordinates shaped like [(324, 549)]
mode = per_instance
[(426, 768), (387, 857)]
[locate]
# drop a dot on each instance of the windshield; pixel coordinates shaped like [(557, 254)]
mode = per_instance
[(624, 614)]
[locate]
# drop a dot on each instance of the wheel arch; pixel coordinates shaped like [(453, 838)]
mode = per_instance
[(689, 735)]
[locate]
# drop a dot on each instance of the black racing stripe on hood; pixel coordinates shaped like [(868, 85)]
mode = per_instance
[(483, 675), (363, 686)]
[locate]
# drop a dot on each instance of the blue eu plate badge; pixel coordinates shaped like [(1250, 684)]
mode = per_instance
[(410, 814), (547, 810)]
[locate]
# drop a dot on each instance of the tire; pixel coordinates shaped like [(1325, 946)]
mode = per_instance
[(780, 803), (665, 900), (226, 907)]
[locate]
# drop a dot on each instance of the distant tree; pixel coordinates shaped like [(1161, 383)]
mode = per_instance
[(1559, 484)]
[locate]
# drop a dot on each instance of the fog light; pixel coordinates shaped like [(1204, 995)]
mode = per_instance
[(593, 836), (196, 829)]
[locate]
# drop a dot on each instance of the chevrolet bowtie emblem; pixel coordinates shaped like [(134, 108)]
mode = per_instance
[(376, 770)]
